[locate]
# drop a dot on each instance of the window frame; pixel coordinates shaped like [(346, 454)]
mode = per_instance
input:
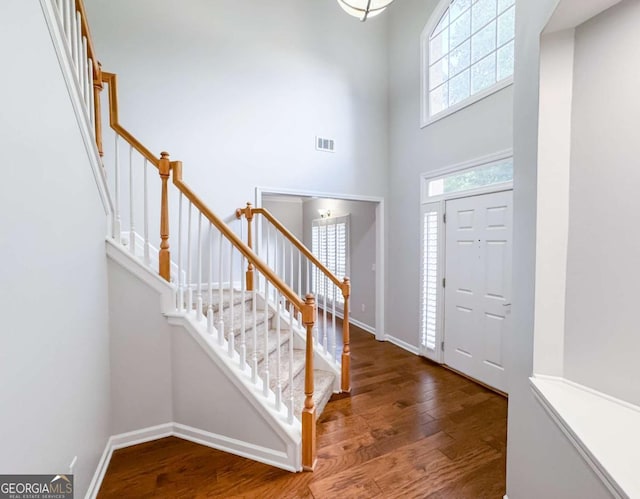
[(425, 118), (426, 178)]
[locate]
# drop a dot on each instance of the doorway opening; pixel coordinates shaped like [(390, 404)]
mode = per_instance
[(346, 232)]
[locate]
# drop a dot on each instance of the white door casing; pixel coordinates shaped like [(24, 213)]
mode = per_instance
[(478, 286)]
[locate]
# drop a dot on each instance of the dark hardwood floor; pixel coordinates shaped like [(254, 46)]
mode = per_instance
[(409, 429)]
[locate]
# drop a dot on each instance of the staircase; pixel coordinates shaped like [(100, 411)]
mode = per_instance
[(239, 289), (280, 349)]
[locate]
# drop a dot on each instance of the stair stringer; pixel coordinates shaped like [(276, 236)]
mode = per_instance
[(201, 401)]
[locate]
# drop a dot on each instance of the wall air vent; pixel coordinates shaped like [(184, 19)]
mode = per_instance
[(326, 145)]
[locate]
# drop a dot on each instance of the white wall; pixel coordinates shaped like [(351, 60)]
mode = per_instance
[(140, 344), (540, 461), (287, 211), (478, 130), (239, 89), (362, 241), (54, 353), (163, 374), (601, 339), (552, 219)]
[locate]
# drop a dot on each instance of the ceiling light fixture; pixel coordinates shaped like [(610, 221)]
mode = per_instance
[(364, 9)]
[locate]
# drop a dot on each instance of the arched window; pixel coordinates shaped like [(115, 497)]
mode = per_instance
[(467, 54)]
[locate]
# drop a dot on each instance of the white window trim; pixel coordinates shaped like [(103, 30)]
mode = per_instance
[(427, 177), (425, 119)]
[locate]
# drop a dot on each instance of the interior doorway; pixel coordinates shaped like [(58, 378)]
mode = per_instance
[(305, 211)]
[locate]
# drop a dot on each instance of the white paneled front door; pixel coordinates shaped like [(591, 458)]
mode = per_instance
[(478, 286)]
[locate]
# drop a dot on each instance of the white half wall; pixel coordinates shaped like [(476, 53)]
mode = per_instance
[(540, 460), (140, 344), (165, 374), (54, 353)]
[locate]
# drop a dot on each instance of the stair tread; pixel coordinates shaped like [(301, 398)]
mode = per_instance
[(298, 366), (273, 342), (323, 389), (226, 298), (323, 380)]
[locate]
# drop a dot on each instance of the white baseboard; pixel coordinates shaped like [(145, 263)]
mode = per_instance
[(402, 344), (195, 435), (362, 325), (355, 322), (233, 446)]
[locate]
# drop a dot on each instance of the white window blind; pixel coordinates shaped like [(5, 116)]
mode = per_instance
[(429, 278), (330, 244)]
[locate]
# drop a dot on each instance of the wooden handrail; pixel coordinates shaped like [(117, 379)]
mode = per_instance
[(344, 285), (111, 79), (296, 242), (306, 307)]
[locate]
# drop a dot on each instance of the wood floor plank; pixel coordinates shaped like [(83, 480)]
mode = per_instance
[(408, 429)]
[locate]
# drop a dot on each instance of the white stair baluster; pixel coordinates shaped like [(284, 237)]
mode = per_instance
[(278, 302), (132, 229), (231, 337), (221, 295), (334, 332), (291, 394), (254, 354), (325, 289), (243, 319), (189, 276), (116, 222), (275, 253), (147, 244), (92, 104), (78, 40), (210, 285), (199, 288), (73, 40), (300, 274), (83, 68), (180, 301), (266, 338), (68, 24), (291, 276)]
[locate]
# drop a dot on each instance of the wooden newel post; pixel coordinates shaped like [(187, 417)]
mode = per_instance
[(248, 213), (97, 88), (164, 166), (309, 314), (346, 349)]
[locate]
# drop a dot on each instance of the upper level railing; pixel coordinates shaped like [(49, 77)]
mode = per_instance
[(79, 43), (302, 270), (205, 272)]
